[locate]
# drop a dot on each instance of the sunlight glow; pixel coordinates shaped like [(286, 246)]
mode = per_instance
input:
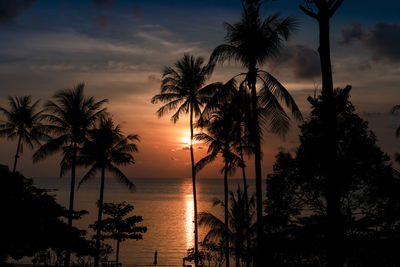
[(189, 224), (186, 140)]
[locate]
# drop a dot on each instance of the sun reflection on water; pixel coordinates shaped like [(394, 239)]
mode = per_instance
[(189, 225)]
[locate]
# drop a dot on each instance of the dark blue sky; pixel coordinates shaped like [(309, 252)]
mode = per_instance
[(119, 48)]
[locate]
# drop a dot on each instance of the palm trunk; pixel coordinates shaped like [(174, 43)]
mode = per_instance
[(257, 161), (196, 239), (117, 254), (99, 215), (237, 259), (246, 206), (226, 215), (17, 153), (71, 200)]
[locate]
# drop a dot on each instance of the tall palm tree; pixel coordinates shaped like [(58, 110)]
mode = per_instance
[(237, 227), (71, 114), (239, 99), (105, 149), (222, 138), (183, 90), (24, 122), (251, 42)]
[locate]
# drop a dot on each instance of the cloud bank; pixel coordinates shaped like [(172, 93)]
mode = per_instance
[(381, 39)]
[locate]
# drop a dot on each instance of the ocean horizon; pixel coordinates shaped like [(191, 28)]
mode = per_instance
[(166, 205)]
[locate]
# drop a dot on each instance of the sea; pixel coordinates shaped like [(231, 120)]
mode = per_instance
[(166, 206)]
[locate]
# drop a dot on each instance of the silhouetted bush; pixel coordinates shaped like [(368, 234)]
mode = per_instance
[(32, 221)]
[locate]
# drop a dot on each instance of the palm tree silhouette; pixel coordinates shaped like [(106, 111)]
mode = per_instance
[(182, 90), (238, 228), (24, 122), (104, 149), (251, 42), (222, 138), (71, 115), (239, 99)]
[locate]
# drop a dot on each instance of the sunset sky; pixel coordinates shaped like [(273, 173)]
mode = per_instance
[(119, 47)]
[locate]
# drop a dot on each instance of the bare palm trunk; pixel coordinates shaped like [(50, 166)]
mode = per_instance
[(257, 161), (99, 215), (196, 239), (71, 200), (117, 253), (246, 205), (237, 259), (17, 153), (226, 214), (335, 231)]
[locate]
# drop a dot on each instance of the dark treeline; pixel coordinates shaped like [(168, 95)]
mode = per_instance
[(82, 130)]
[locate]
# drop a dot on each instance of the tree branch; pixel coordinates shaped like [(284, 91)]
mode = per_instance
[(336, 5), (308, 12), (319, 3)]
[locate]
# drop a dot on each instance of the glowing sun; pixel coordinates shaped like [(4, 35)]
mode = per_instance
[(186, 140)]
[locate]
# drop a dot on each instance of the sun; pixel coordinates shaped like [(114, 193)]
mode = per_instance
[(186, 140)]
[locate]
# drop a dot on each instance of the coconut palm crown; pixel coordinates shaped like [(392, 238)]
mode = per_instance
[(23, 121)]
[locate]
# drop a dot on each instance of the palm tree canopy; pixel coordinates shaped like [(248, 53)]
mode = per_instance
[(223, 136), (237, 219), (182, 87), (106, 147), (23, 120), (71, 115), (252, 40)]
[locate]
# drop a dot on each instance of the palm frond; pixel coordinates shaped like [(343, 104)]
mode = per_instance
[(273, 85), (121, 176), (279, 122), (49, 148), (204, 161), (89, 175)]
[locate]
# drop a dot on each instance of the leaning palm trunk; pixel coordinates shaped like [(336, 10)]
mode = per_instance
[(71, 199), (17, 153), (196, 238), (226, 214), (100, 213)]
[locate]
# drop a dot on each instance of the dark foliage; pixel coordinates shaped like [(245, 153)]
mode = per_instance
[(296, 195), (32, 221), (119, 227)]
